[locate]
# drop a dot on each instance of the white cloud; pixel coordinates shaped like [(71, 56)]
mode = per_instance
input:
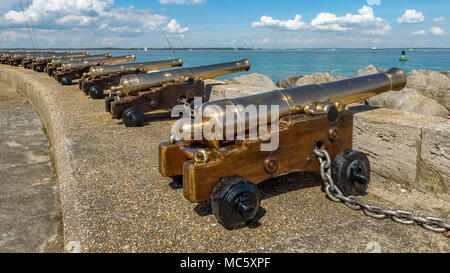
[(182, 2), (11, 36), (420, 32), (436, 31), (83, 23), (174, 27), (411, 16), (266, 40), (267, 21), (365, 20), (374, 2), (439, 19), (96, 14), (61, 11)]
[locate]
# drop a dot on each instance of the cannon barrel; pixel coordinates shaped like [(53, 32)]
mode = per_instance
[(62, 55), (26, 53), (296, 100), (133, 83), (80, 59), (97, 71), (112, 60)]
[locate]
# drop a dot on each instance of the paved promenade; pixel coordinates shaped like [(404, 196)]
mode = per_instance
[(29, 214), (114, 199)]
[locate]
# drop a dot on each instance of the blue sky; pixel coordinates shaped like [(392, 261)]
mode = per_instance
[(226, 23)]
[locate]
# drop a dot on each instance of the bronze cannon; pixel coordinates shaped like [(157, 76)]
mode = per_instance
[(6, 56), (15, 58), (68, 72), (100, 78), (26, 61), (141, 93), (51, 66), (38, 63), (225, 168)]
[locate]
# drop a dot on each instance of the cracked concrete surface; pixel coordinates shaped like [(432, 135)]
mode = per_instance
[(29, 213)]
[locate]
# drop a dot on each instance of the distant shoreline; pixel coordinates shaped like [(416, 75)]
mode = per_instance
[(219, 48)]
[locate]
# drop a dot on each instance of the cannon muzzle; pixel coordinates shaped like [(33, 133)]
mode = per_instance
[(137, 82), (94, 62), (293, 100), (97, 71)]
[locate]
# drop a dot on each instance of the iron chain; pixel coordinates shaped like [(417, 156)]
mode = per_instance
[(399, 216), (188, 107)]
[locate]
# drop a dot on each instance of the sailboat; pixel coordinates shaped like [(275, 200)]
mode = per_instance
[(145, 49)]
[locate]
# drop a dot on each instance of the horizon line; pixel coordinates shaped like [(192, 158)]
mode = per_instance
[(207, 48)]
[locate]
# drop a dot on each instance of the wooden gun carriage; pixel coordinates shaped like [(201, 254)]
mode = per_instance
[(227, 172), (68, 72), (141, 93), (101, 78), (53, 65), (39, 62)]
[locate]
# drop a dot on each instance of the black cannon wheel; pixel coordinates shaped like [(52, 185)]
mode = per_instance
[(96, 92), (133, 117), (234, 202), (66, 81), (351, 172)]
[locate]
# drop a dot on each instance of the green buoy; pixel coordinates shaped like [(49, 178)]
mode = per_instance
[(403, 57)]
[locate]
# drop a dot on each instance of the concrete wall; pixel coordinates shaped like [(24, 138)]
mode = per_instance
[(408, 148)]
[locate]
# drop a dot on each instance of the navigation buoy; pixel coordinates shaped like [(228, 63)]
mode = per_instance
[(403, 57)]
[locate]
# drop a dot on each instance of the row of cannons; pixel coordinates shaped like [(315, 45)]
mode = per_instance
[(312, 119)]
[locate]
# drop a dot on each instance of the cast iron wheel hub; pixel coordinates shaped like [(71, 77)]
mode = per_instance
[(65, 81), (96, 92), (133, 117), (234, 202), (351, 172)]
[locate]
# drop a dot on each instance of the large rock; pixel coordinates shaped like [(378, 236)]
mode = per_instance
[(288, 82), (217, 90), (368, 70), (316, 78), (409, 100), (446, 73), (404, 147), (434, 170), (432, 84), (255, 79)]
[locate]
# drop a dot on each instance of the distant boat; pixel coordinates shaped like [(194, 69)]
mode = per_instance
[(145, 49), (411, 49), (374, 48)]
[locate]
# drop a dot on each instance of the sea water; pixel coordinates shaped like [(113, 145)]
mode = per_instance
[(279, 64)]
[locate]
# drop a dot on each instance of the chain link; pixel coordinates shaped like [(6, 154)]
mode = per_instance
[(399, 216), (188, 107)]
